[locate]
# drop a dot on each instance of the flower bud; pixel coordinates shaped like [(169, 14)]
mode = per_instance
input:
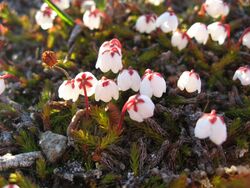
[(190, 81), (49, 58), (212, 126), (216, 8), (243, 74)]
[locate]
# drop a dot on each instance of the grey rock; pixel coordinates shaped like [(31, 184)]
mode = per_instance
[(6, 139), (53, 145)]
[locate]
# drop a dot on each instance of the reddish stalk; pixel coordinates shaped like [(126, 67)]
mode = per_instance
[(86, 100), (124, 109)]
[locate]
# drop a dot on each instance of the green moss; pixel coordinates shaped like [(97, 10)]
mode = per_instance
[(26, 140), (134, 159)]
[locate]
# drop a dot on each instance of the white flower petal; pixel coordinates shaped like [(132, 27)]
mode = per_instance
[(2, 86), (203, 128)]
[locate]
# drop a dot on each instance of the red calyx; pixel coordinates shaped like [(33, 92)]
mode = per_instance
[(84, 81), (196, 75), (130, 71), (244, 68), (133, 103), (150, 18), (47, 12), (71, 82)]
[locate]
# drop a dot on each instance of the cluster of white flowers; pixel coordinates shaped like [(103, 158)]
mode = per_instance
[(139, 106), (45, 16), (168, 22)]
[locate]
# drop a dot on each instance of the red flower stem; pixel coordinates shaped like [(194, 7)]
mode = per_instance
[(124, 109), (86, 100), (5, 76)]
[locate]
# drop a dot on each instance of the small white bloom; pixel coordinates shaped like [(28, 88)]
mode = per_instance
[(86, 80), (140, 107), (128, 78), (168, 22), (155, 2), (216, 8), (2, 86), (199, 32), (152, 84), (212, 126), (219, 32), (146, 23), (106, 89), (45, 17), (190, 81), (179, 40), (68, 90), (109, 56), (62, 4), (246, 39), (92, 19), (243, 74)]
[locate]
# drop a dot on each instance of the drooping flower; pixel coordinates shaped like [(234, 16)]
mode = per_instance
[(62, 4), (243, 74), (155, 2), (86, 82), (199, 32), (219, 32), (190, 81), (68, 90), (128, 78), (106, 89), (245, 38), (92, 19), (215, 8), (212, 126), (45, 17), (152, 84), (168, 22), (146, 23), (139, 107), (180, 40), (110, 56)]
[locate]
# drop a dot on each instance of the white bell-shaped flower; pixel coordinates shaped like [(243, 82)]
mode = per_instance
[(86, 80), (243, 74), (219, 32), (45, 17), (92, 19), (199, 32), (212, 126), (146, 23), (62, 4), (106, 89), (216, 8), (168, 22), (128, 78), (245, 39), (152, 84), (155, 2), (190, 81), (110, 56), (179, 40), (11, 186), (68, 90), (140, 107), (2, 85)]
